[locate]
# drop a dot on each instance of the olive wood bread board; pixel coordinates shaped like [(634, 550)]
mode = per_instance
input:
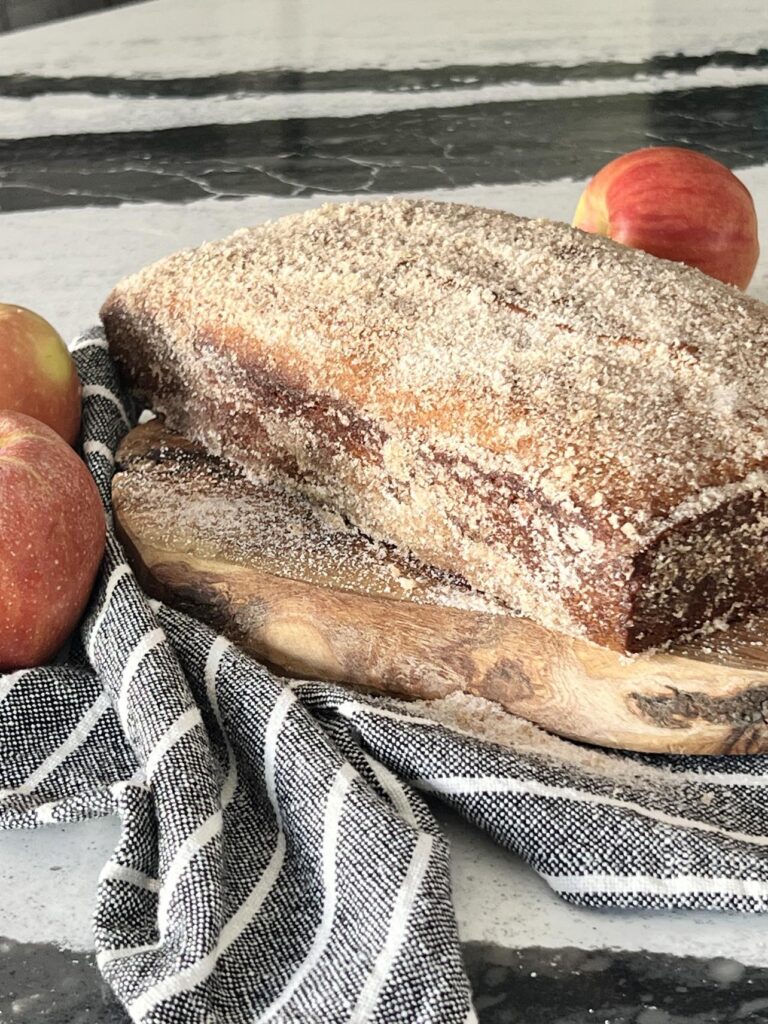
[(291, 583)]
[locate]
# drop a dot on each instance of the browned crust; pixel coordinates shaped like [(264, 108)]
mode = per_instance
[(226, 384), (193, 413), (614, 611), (700, 592)]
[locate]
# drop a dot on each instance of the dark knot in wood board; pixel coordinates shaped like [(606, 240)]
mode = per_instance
[(506, 680), (678, 709)]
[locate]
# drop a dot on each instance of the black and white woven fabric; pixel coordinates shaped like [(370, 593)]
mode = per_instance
[(277, 861)]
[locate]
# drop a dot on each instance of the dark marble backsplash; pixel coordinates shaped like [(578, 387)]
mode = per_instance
[(396, 151)]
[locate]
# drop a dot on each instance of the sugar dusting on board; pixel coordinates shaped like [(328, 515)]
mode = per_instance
[(180, 497)]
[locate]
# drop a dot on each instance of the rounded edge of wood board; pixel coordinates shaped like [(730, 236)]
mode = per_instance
[(651, 703)]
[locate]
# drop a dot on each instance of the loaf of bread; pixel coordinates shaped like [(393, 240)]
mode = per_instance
[(578, 429)]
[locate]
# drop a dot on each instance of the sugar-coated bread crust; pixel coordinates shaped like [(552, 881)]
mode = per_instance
[(578, 428)]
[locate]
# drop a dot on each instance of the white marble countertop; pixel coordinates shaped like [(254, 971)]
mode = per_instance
[(65, 241), (171, 38), (48, 880)]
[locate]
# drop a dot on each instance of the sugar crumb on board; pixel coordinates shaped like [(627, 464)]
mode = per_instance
[(485, 720), (190, 500)]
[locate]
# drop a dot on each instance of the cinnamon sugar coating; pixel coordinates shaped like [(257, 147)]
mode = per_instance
[(578, 428)]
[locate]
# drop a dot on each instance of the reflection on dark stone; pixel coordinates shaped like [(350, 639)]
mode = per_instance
[(39, 982), (571, 986), (490, 143)]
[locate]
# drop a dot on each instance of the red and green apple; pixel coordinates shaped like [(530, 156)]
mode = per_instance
[(37, 374), (52, 530), (677, 204)]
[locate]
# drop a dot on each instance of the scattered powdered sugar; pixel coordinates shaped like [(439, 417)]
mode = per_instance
[(741, 644), (621, 374), (177, 497)]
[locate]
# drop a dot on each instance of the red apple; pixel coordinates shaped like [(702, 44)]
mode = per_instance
[(37, 373), (677, 204), (51, 540)]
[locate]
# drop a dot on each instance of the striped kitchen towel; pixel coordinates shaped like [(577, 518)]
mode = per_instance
[(277, 860)]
